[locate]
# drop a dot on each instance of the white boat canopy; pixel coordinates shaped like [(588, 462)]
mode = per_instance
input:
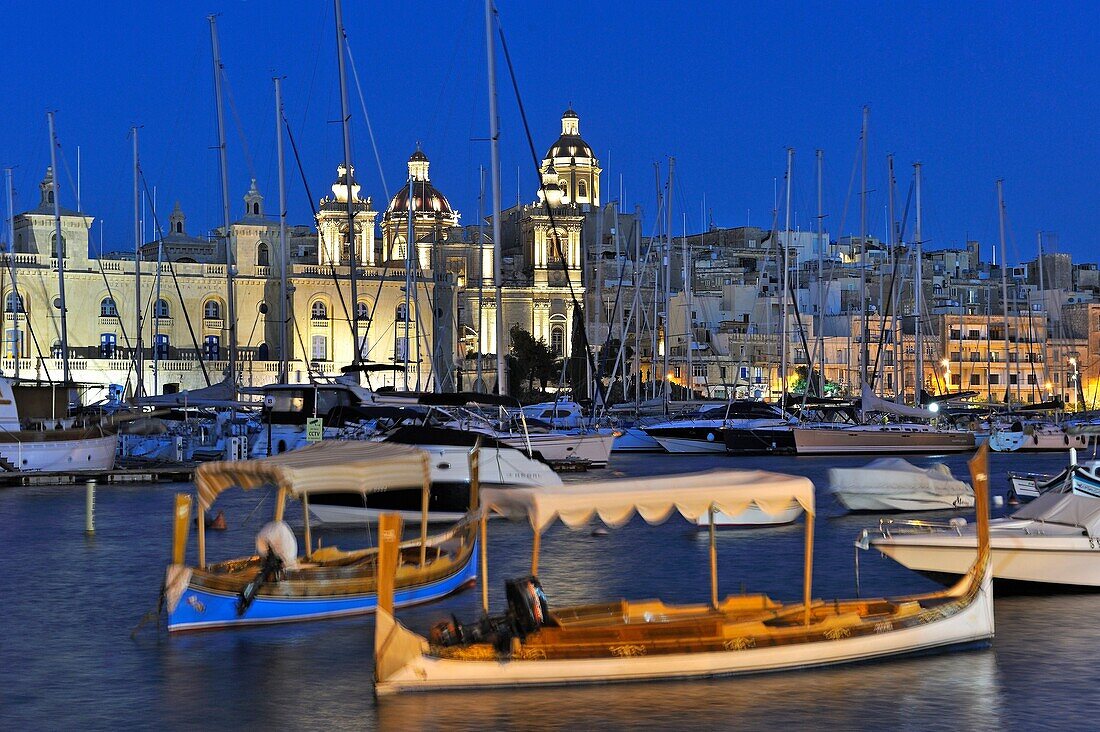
[(330, 466), (1068, 509), (616, 501)]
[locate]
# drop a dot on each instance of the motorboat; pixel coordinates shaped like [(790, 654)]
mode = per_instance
[(754, 516), (37, 432), (634, 439), (1035, 437), (448, 451), (535, 643), (561, 414), (1051, 541), (1082, 478), (276, 584), (895, 484), (705, 431)]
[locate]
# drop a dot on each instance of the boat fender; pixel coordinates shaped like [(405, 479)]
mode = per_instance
[(957, 522)]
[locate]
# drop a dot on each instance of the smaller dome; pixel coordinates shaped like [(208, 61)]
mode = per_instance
[(569, 114), (418, 156)]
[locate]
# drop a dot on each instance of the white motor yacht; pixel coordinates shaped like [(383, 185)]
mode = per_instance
[(895, 484)]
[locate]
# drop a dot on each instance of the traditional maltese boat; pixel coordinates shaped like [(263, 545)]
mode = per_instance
[(536, 644), (276, 584)]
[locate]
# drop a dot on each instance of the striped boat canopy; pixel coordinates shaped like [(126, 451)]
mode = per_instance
[(615, 501), (332, 466)]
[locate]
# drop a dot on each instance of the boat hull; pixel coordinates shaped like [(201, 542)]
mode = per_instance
[(910, 501), (971, 625), (46, 454), (852, 441), (754, 516), (201, 608), (760, 441), (634, 439), (1048, 560), (681, 444), (1009, 441), (591, 448)]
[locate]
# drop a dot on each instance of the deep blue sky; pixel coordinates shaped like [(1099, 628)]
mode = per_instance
[(975, 91)]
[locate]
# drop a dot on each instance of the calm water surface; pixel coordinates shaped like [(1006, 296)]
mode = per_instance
[(70, 602)]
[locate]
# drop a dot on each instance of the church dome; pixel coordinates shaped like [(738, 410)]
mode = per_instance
[(426, 198)]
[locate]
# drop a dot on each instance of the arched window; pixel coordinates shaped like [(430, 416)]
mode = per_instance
[(582, 189), (179, 227), (362, 311), (399, 253), (319, 311), (401, 314), (212, 310), (49, 196), (564, 189), (263, 353), (161, 309), (14, 303), (557, 340), (263, 255), (256, 208), (53, 246), (56, 351), (107, 308)]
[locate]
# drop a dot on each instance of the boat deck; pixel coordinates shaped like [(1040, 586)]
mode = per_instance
[(135, 473)]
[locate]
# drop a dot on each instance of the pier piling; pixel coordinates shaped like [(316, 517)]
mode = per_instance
[(89, 507)]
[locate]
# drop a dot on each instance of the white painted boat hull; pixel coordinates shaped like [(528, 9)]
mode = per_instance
[(753, 516), (92, 453), (1057, 560), (1006, 441), (860, 441), (634, 439), (683, 446), (421, 672), (910, 501), (593, 448)]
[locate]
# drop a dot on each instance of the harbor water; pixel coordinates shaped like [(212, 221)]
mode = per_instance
[(70, 601)]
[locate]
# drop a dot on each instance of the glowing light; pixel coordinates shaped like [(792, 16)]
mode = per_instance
[(933, 408), (1073, 362), (946, 363)]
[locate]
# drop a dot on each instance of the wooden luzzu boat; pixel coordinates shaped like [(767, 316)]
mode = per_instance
[(534, 644), (276, 584)]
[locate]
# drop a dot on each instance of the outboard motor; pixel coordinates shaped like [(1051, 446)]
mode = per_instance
[(528, 611)]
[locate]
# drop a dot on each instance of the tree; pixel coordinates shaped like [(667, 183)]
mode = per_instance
[(531, 359), (578, 356)]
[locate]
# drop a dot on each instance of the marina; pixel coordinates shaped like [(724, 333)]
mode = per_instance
[(120, 679), (635, 439)]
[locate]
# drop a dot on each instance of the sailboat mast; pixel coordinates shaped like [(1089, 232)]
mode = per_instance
[(820, 349), (284, 356), (1046, 311), (918, 291), (689, 319), (59, 252), (784, 312), (481, 276), (230, 293), (668, 279), (410, 243), (1004, 272), (139, 353), (863, 248), (894, 288), (17, 309), (345, 120), (494, 161)]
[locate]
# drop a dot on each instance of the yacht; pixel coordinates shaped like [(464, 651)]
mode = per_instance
[(706, 431), (895, 484), (1035, 437)]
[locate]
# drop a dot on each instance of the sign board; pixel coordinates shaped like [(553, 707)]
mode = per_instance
[(315, 429)]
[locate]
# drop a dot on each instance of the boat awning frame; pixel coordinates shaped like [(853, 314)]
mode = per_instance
[(616, 501), (325, 467)]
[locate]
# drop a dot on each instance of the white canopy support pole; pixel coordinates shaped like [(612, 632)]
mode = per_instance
[(202, 536), (305, 521), (807, 580), (713, 562)]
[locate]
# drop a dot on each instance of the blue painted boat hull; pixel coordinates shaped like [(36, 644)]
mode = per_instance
[(200, 609)]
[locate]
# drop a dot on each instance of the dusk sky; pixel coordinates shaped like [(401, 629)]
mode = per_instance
[(975, 91)]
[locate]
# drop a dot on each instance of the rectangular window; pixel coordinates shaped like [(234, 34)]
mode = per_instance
[(107, 344), (1031, 379), (955, 379), (160, 345), (994, 379), (676, 372), (975, 379), (319, 351), (699, 369), (400, 348), (745, 373), (1013, 379), (211, 347), (13, 344)]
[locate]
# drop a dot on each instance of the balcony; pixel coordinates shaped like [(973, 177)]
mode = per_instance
[(213, 324), (108, 321)]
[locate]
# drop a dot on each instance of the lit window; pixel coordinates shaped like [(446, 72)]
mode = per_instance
[(212, 310), (319, 311), (107, 308)]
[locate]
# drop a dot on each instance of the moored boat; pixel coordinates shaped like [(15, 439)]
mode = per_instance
[(536, 644), (895, 484), (277, 585)]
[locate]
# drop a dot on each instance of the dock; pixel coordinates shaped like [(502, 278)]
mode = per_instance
[(127, 473)]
